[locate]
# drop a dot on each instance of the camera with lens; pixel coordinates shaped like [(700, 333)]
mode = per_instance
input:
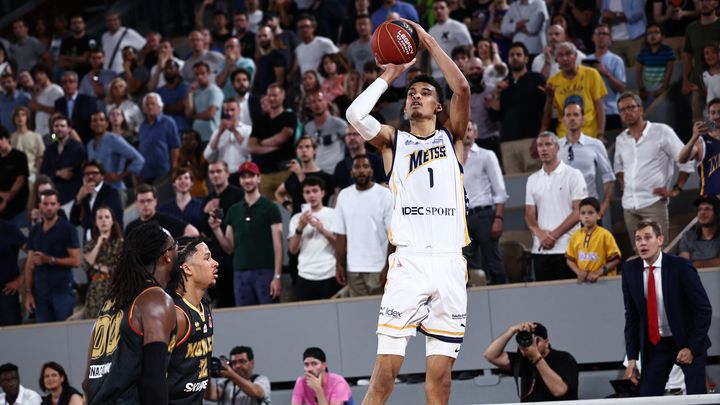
[(524, 338), (217, 365)]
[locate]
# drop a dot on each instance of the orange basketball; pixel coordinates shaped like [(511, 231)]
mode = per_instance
[(394, 42)]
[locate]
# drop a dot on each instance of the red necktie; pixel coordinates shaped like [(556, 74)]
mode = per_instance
[(652, 313)]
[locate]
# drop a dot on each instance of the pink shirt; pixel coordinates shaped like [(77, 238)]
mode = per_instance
[(334, 386)]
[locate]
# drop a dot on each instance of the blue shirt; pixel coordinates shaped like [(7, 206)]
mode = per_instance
[(615, 65), (635, 18), (203, 99), (73, 156), (405, 10), (172, 96), (192, 214), (155, 141), (114, 153), (8, 105), (55, 242)]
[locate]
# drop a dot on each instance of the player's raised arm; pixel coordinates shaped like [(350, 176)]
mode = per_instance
[(459, 109)]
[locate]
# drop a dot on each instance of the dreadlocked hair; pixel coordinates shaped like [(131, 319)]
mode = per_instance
[(187, 246), (142, 248)]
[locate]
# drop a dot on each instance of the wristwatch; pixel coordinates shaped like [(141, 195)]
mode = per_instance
[(52, 260), (276, 277)]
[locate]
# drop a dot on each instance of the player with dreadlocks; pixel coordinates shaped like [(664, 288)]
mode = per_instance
[(134, 334), (194, 272)]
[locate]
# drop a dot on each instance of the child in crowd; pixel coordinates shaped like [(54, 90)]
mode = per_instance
[(592, 251), (711, 76), (654, 65)]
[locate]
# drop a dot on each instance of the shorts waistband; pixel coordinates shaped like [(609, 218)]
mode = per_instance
[(404, 250)]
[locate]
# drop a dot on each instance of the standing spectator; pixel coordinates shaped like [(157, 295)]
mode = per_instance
[(711, 76), (63, 159), (359, 52), (77, 107), (53, 250), (26, 141), (190, 155), (310, 237), (233, 60), (526, 22), (586, 154), (309, 53), (158, 139), (117, 156), (256, 242), (134, 73), (288, 38), (242, 385), (612, 71), (328, 132), (654, 65), (494, 69), (75, 48), (204, 102), (219, 32), (11, 280), (13, 391), (54, 381), (94, 193), (698, 33), (545, 62), (301, 167), (25, 81), (487, 135), (95, 82), (402, 8), (243, 33), (116, 38), (701, 243), (674, 18), (27, 51), (485, 188), (229, 142), (43, 97), (361, 226), (333, 68), (355, 146), (348, 30), (519, 103), (118, 96), (101, 255), (493, 27), (10, 100), (627, 22), (646, 154), (165, 54), (250, 110), (579, 17), (576, 80), (184, 206), (704, 148), (200, 53), (174, 95), (118, 125), (447, 32), (319, 385), (272, 62), (271, 142), (148, 55), (552, 202), (147, 204)]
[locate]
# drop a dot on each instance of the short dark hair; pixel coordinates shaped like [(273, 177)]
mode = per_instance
[(521, 46), (645, 223), (201, 63), (94, 163), (316, 353), (360, 156), (41, 68), (58, 117), (243, 349), (461, 50), (50, 192), (712, 102), (8, 368), (4, 133), (592, 201), (431, 81), (312, 181), (308, 17), (146, 188), (180, 171), (239, 71), (362, 16), (654, 24)]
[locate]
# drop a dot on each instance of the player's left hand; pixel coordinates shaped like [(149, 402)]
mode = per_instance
[(684, 356)]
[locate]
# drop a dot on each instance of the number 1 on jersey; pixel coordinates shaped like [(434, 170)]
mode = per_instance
[(432, 178)]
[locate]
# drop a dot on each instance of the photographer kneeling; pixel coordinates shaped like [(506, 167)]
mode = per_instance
[(546, 374), (241, 386)]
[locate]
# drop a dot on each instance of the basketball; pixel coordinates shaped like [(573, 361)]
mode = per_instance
[(394, 42)]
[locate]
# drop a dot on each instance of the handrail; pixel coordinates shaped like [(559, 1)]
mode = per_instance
[(671, 246)]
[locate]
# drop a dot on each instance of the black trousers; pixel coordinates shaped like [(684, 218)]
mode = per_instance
[(315, 289), (657, 362), (551, 267)]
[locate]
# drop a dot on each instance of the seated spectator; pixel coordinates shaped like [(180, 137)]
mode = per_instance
[(94, 193), (701, 243), (300, 168), (328, 131), (310, 51), (229, 142), (158, 139), (165, 54), (11, 100), (359, 51), (494, 69), (319, 385), (63, 159), (592, 251), (333, 68), (234, 60), (311, 238), (703, 149), (189, 155), (11, 281), (204, 103), (27, 50), (174, 94), (134, 73), (241, 384), (43, 99), (147, 205), (101, 255), (13, 391), (545, 62), (77, 107), (654, 65), (26, 141), (711, 76), (184, 206), (200, 53), (546, 374), (97, 80), (53, 250), (54, 381), (526, 21), (118, 96), (612, 71), (355, 146)]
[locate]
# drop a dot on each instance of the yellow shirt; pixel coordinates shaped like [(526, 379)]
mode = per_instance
[(587, 84), (590, 251)]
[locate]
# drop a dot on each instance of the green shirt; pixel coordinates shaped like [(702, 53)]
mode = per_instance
[(252, 233)]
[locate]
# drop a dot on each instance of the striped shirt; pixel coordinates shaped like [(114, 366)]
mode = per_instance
[(655, 64)]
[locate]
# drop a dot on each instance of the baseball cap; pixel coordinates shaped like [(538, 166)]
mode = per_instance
[(708, 199), (540, 330), (249, 167)]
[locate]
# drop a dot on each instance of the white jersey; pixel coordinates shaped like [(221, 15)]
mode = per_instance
[(428, 195)]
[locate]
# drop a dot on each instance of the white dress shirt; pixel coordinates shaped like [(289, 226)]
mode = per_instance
[(483, 179), (25, 397), (662, 315), (590, 157), (228, 149), (648, 163)]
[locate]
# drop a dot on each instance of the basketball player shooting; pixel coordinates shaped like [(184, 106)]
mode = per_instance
[(425, 289)]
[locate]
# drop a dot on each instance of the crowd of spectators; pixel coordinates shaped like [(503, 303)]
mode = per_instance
[(243, 116)]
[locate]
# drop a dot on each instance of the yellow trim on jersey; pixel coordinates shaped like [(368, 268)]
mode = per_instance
[(385, 325), (200, 311), (443, 332), (466, 231)]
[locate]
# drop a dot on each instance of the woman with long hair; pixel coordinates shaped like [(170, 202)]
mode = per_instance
[(352, 88), (54, 381), (119, 96), (119, 125), (495, 69), (26, 140), (332, 68), (100, 258)]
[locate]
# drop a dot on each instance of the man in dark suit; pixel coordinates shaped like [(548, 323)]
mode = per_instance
[(671, 325), (77, 107), (94, 193)]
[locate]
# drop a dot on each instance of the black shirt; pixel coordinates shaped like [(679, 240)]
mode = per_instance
[(522, 106), (342, 177), (12, 166), (175, 226), (267, 127), (533, 388), (72, 46), (72, 156), (11, 240), (294, 189), (265, 72)]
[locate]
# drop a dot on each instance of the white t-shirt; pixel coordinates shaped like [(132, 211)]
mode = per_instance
[(539, 62), (161, 78), (25, 397), (228, 149), (316, 260), (448, 35), (712, 85), (109, 42), (364, 217), (309, 55), (619, 31), (46, 97), (254, 20), (553, 195)]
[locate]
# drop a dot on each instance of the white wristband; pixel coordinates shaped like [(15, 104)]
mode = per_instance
[(358, 114)]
